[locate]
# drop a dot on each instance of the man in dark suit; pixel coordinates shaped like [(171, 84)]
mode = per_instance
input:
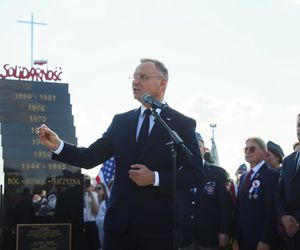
[(140, 209), (255, 216), (288, 198), (205, 213)]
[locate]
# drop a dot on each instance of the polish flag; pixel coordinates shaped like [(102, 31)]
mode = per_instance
[(40, 62)]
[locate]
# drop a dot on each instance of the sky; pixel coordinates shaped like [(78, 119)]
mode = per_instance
[(234, 63)]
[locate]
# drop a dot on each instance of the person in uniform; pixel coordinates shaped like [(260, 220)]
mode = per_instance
[(205, 213)]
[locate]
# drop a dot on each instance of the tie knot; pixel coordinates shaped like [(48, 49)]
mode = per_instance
[(251, 172), (147, 113)]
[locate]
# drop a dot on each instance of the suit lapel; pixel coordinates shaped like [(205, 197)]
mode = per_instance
[(242, 181), (133, 121), (259, 174), (242, 194), (296, 165)]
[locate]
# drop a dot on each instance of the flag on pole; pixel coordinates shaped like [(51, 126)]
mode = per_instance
[(40, 62), (106, 172)]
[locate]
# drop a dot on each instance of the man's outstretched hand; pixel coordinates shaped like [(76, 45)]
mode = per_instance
[(48, 137)]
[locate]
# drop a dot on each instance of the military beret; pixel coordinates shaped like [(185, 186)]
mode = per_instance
[(275, 149)]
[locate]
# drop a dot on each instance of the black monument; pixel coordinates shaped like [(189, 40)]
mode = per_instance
[(42, 198)]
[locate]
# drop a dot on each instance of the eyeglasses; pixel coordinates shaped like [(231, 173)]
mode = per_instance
[(98, 188), (142, 77), (250, 149)]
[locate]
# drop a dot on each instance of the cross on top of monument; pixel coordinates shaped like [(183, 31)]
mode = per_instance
[(31, 22)]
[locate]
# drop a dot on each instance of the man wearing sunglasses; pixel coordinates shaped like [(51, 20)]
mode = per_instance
[(140, 209), (255, 216), (288, 196)]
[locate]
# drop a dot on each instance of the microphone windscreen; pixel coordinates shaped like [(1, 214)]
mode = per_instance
[(145, 97)]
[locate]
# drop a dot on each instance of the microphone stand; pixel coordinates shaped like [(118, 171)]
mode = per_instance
[(175, 142)]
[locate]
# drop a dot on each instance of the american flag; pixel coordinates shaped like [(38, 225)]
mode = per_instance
[(106, 172)]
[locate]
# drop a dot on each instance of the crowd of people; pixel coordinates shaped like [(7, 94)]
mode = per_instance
[(94, 208), (261, 212)]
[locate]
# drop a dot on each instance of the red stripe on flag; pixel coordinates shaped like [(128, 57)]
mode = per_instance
[(98, 179), (40, 62)]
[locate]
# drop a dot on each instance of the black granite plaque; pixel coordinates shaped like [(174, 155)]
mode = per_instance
[(29, 141), (37, 167), (34, 107), (38, 190), (44, 236), (37, 153), (31, 118), (19, 129), (17, 85), (34, 96)]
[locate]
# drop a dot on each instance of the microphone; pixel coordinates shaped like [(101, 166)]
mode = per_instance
[(154, 103)]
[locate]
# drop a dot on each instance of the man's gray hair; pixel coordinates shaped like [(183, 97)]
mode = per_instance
[(159, 66), (259, 142)]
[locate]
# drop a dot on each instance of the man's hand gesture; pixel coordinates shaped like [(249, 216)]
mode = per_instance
[(48, 138)]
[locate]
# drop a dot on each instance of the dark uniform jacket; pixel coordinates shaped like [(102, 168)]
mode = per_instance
[(146, 211), (206, 211), (255, 216)]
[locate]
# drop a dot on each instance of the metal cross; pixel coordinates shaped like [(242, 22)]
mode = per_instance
[(31, 23)]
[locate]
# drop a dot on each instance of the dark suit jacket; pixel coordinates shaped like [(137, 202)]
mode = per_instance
[(146, 210), (288, 201), (206, 211), (255, 218), (288, 198)]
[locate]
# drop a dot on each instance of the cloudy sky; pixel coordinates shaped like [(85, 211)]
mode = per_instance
[(234, 62)]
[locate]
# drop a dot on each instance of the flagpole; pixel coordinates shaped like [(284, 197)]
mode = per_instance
[(214, 151), (213, 126)]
